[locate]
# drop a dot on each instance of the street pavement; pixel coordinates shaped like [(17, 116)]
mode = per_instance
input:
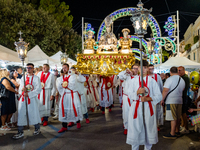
[(104, 132)]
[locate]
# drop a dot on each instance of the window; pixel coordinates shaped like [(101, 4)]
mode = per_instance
[(188, 56), (194, 55)]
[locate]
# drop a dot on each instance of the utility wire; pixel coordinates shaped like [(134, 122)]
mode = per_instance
[(167, 7), (119, 26), (77, 24), (185, 19), (190, 13)]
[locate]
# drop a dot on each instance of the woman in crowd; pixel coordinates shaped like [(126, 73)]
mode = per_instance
[(8, 105), (13, 78)]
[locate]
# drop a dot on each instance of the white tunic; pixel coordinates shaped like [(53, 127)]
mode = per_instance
[(126, 100), (70, 106), (115, 84), (91, 94), (137, 134), (81, 79), (94, 91), (105, 96), (159, 108), (33, 111), (50, 90)]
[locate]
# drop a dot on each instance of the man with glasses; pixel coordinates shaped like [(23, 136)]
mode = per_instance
[(127, 76), (159, 108), (29, 92), (184, 123), (47, 94)]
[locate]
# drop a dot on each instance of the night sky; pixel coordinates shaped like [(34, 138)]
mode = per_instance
[(95, 11)]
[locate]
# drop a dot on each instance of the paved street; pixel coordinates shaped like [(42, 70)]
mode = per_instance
[(105, 132)]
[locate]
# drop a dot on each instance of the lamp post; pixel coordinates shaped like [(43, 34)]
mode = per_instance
[(22, 48), (64, 57), (140, 23)]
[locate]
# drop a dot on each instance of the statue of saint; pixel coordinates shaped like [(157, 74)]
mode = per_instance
[(108, 41), (125, 43), (89, 43)]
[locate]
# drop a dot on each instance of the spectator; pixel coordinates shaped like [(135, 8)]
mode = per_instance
[(19, 70), (167, 75), (13, 78), (162, 75), (173, 101), (8, 105), (184, 123), (56, 74)]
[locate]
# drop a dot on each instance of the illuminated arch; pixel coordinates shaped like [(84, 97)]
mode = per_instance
[(124, 12)]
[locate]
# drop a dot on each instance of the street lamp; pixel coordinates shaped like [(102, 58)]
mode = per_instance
[(140, 23), (22, 48), (151, 45), (64, 57)]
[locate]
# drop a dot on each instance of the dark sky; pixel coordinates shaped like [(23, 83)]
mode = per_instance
[(95, 11)]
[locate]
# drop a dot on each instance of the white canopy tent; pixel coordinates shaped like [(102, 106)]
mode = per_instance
[(38, 57), (56, 57), (178, 61), (8, 54)]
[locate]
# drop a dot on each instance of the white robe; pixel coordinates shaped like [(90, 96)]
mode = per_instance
[(93, 88), (137, 134), (33, 111), (50, 90), (56, 111), (105, 101), (159, 108), (66, 96), (126, 100), (90, 94), (115, 84), (81, 79)]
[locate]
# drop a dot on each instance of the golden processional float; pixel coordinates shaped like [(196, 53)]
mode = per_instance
[(104, 58)]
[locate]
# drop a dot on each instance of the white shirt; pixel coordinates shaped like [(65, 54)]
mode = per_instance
[(174, 97)]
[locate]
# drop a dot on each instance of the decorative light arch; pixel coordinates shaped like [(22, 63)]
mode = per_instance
[(124, 12)]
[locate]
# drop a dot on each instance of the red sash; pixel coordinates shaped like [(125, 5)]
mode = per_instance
[(138, 102), (72, 95), (94, 91), (66, 79), (27, 82), (43, 79), (129, 101), (87, 78), (155, 77)]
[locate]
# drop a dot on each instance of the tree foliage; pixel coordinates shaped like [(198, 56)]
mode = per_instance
[(38, 26), (60, 11), (187, 47), (196, 39)]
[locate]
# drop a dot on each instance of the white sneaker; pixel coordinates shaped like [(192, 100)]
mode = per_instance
[(184, 131), (18, 136), (55, 117)]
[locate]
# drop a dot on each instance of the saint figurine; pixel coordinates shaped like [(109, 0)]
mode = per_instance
[(108, 41), (125, 43)]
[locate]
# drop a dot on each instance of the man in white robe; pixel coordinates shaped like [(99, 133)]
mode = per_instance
[(105, 93), (159, 108), (70, 107), (47, 94), (143, 132), (115, 84), (80, 86), (126, 76), (30, 94)]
